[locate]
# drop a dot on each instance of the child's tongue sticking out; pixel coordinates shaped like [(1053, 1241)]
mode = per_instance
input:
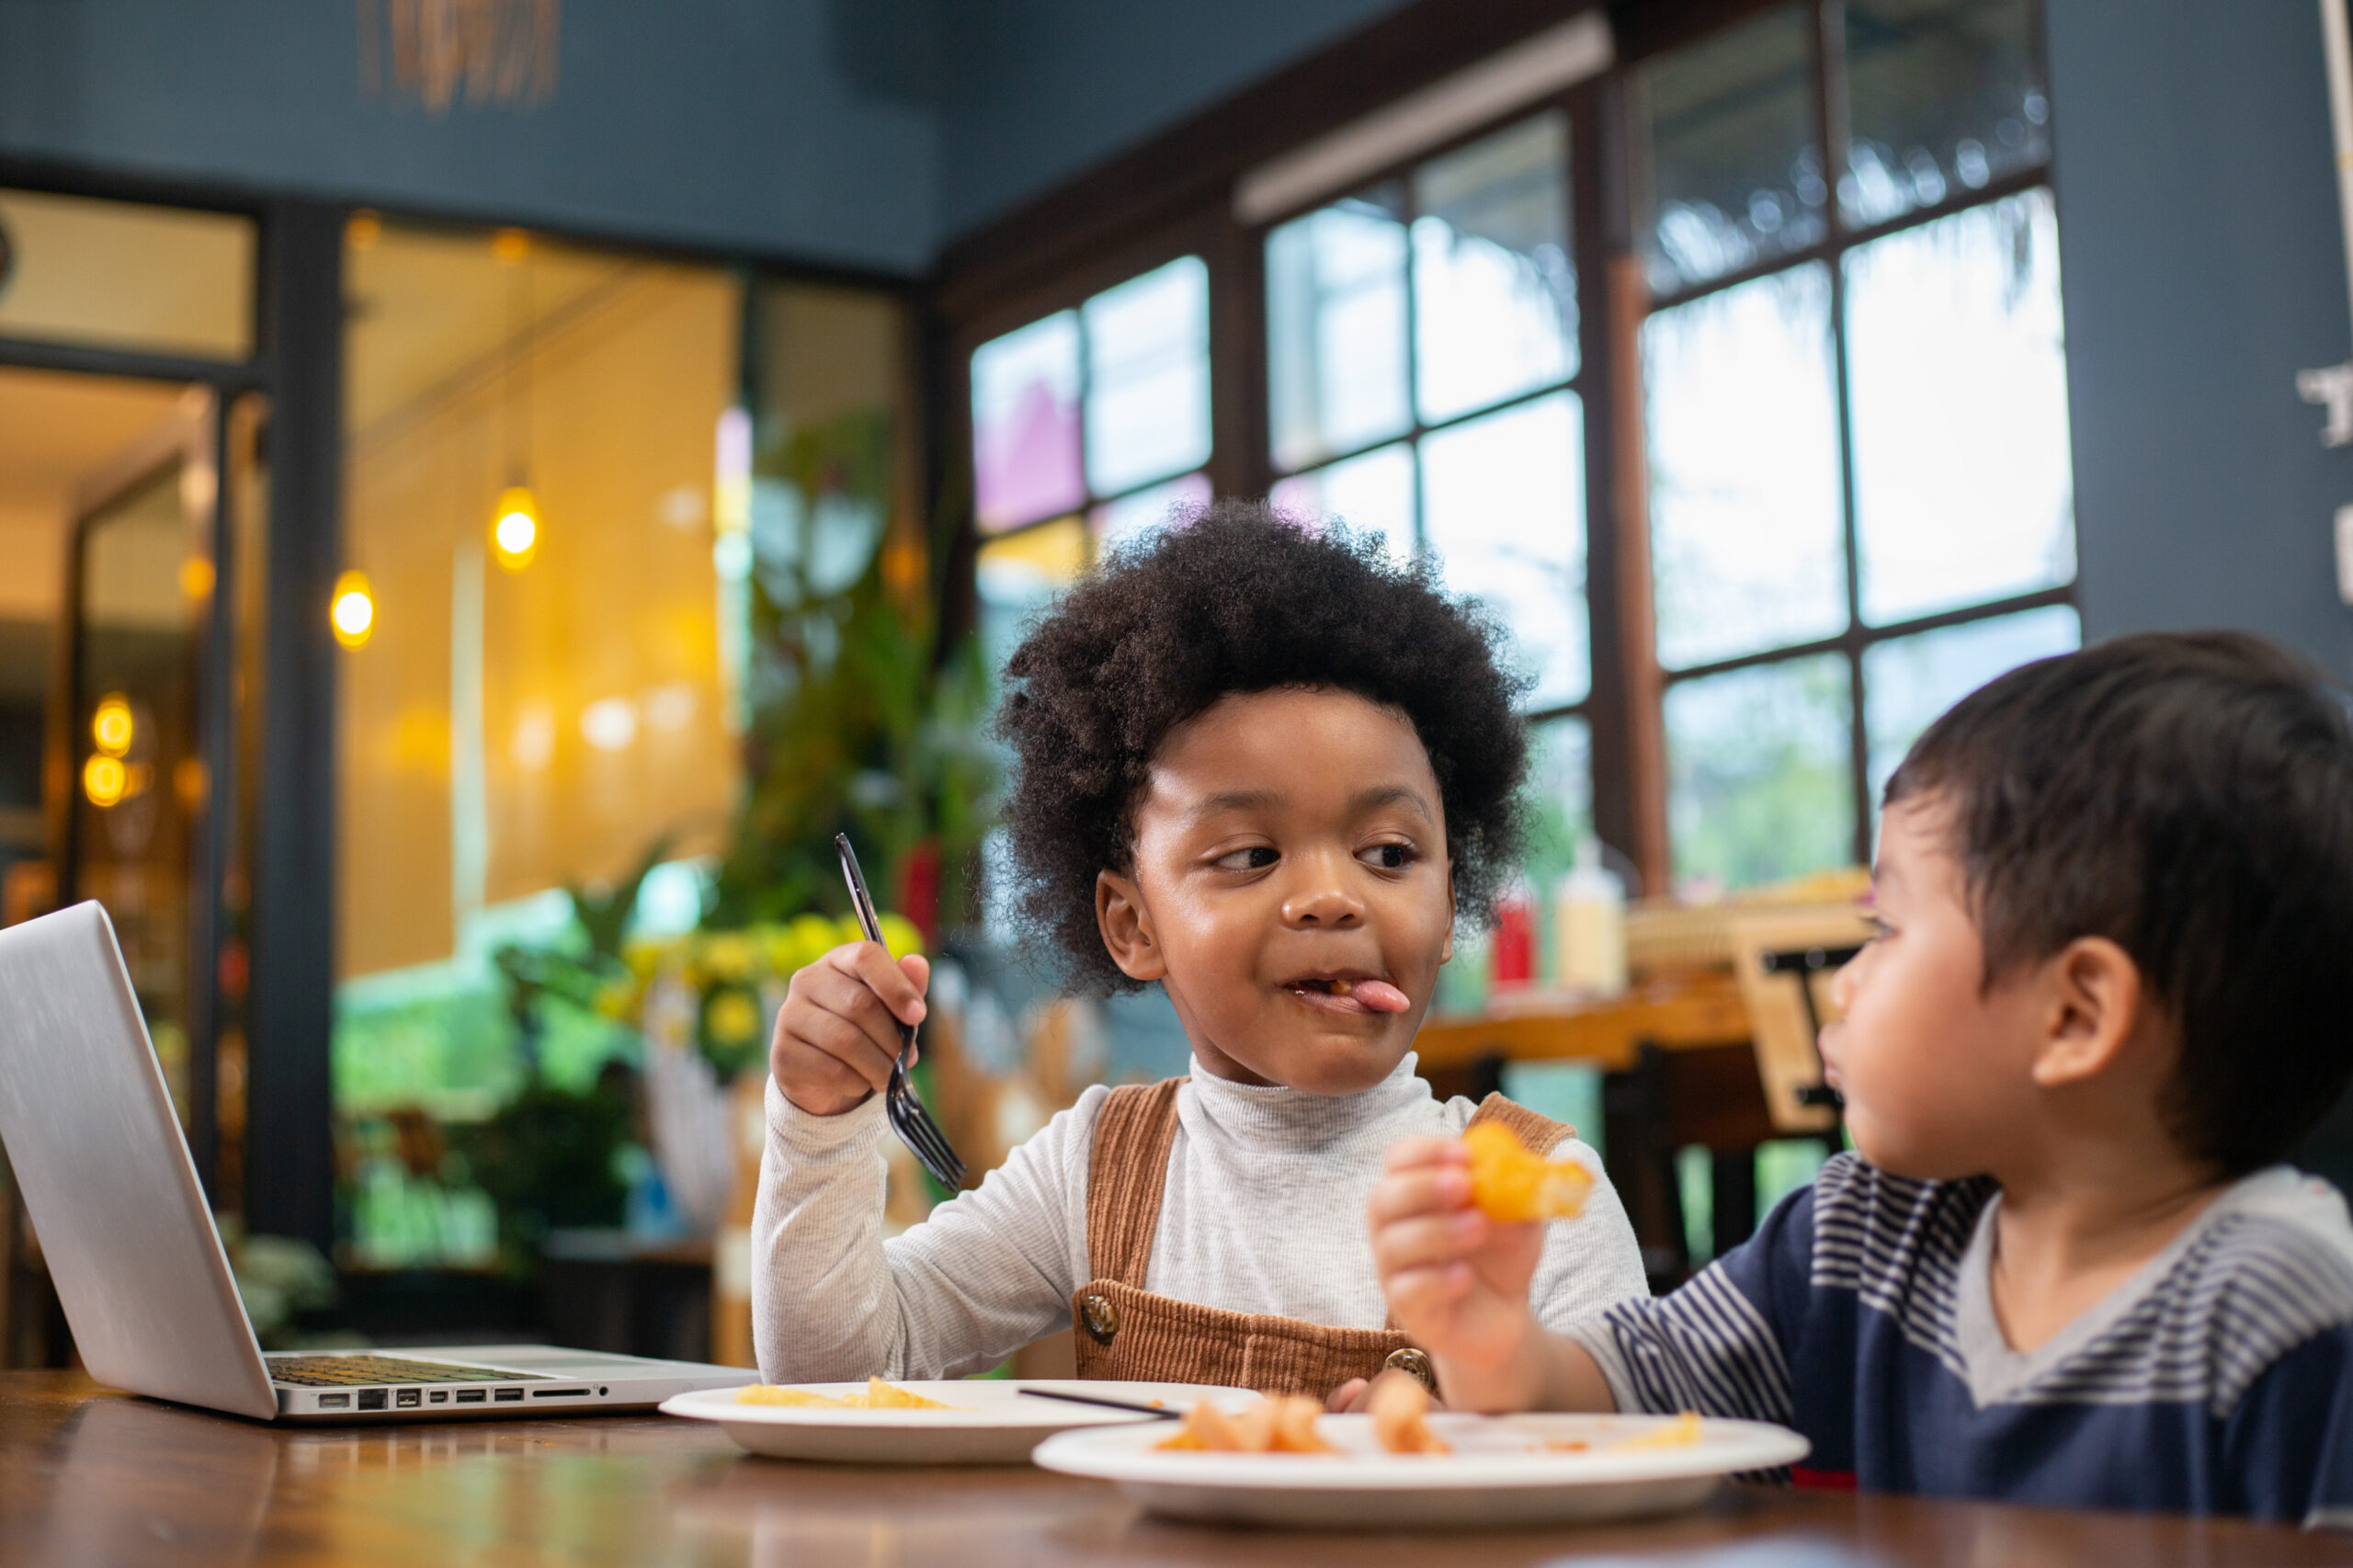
[(1353, 997), (1380, 996)]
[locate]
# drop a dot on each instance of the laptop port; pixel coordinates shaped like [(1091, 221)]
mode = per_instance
[(372, 1399), (409, 1399), (439, 1396), (334, 1401), (508, 1396), (473, 1396), (559, 1394)]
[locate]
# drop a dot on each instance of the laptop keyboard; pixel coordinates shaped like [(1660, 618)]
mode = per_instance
[(344, 1372)]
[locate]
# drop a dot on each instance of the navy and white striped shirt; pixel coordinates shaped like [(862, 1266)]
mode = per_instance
[(2218, 1380)]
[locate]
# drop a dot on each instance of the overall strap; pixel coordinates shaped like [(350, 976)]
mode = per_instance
[(1126, 1173), (1542, 1134)]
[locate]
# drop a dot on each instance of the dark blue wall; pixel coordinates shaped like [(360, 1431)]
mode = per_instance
[(1036, 90), (790, 126), (2198, 231)]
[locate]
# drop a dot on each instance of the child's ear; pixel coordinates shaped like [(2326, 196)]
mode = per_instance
[(2091, 1009), (1127, 929)]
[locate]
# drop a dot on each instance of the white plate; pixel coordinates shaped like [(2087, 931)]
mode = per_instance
[(993, 1422), (1500, 1471)]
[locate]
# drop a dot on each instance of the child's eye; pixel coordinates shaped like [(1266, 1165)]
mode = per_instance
[(1879, 927), (1258, 858), (1388, 857)]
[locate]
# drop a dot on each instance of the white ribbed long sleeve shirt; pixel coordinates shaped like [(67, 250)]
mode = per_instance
[(1264, 1211)]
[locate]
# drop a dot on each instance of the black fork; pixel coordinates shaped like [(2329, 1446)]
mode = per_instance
[(908, 1118)]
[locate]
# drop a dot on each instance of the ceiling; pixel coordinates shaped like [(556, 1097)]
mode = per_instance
[(56, 427)]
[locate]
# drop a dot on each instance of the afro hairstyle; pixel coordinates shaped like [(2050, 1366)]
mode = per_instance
[(1236, 598)]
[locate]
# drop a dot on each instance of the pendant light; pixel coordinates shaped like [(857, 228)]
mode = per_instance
[(515, 520)]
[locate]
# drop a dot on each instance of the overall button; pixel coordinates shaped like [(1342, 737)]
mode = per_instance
[(1412, 1362), (1102, 1319)]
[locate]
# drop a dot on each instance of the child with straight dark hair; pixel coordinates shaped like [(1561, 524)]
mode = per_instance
[(2111, 987)]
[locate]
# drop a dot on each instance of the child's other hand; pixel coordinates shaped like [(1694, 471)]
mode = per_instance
[(838, 1030), (1457, 1281)]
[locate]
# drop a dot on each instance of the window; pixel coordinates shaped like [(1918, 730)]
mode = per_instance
[(1089, 426), (127, 276), (1422, 365), (1801, 275), (1856, 406)]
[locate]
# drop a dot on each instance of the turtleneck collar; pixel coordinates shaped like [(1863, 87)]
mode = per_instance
[(1279, 1116)]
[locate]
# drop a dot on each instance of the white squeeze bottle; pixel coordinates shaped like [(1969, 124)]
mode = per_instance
[(1590, 914)]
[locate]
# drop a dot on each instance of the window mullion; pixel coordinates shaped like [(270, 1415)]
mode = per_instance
[(1830, 119)]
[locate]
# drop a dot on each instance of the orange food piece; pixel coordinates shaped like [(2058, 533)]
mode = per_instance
[(1284, 1424), (1514, 1185), (1400, 1407), (799, 1399), (879, 1395), (1683, 1432)]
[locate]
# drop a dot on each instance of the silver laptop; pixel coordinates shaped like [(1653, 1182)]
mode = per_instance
[(96, 1149)]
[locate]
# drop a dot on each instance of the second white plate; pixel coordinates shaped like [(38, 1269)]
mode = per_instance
[(1511, 1469), (992, 1421)]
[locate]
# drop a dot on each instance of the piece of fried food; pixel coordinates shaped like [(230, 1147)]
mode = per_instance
[(1400, 1407), (1284, 1424), (1682, 1433), (802, 1399), (1514, 1185), (881, 1395)]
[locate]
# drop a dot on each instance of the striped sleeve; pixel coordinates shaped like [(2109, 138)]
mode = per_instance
[(1711, 1346)]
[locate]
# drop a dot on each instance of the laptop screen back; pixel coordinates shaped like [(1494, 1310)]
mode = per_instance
[(97, 1150)]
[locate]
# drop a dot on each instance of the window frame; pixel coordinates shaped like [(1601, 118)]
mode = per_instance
[(1098, 229), (1841, 238)]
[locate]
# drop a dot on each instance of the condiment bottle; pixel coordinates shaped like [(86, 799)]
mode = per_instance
[(1512, 949), (1589, 917)]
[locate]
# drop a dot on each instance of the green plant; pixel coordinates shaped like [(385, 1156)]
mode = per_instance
[(863, 721)]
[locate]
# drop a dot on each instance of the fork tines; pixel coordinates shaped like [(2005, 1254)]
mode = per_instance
[(920, 1134)]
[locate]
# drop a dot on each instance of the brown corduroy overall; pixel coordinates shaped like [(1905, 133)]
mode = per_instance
[(1121, 1330)]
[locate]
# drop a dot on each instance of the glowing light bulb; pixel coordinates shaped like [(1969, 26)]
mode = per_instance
[(111, 726), (353, 610), (196, 577), (515, 528), (103, 779)]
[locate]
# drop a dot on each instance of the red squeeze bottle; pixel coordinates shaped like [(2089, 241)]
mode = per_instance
[(1513, 949)]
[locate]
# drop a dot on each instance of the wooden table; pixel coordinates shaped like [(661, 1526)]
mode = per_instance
[(91, 1478)]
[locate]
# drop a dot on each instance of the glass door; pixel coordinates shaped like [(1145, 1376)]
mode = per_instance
[(143, 576)]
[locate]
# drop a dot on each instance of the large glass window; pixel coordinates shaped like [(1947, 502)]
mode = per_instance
[(1855, 398), (1089, 426), (532, 709), (1422, 384)]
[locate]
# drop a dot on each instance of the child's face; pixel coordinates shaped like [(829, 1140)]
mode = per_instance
[(1937, 1068), (1284, 842)]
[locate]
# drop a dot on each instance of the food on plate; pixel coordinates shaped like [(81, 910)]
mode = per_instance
[(798, 1399), (1683, 1432), (1283, 1425), (1400, 1407), (1514, 1186), (879, 1395)]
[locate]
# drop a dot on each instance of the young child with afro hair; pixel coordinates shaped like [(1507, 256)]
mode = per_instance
[(1266, 769)]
